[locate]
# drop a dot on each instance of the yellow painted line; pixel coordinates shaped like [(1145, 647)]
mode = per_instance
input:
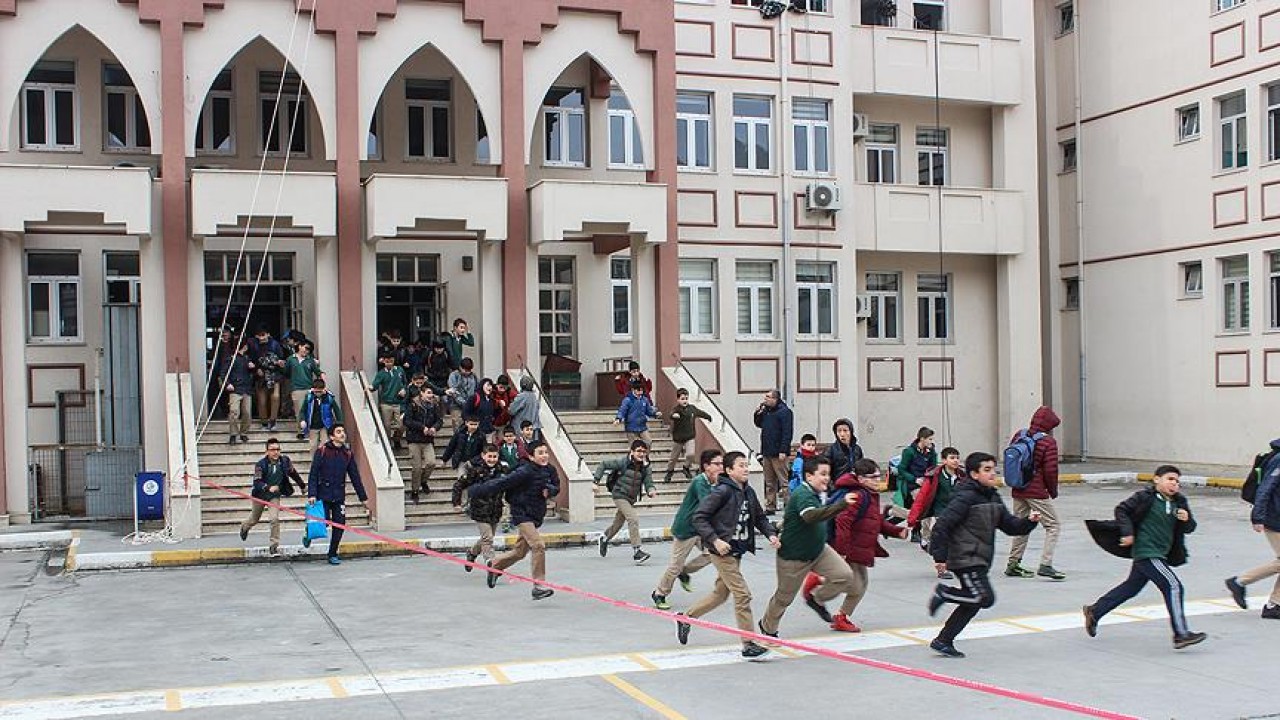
[(643, 698), (1233, 483), (642, 661), (1020, 626), (172, 701), (788, 652), (1122, 613), (904, 636), (335, 686), (1223, 603), (70, 565), (498, 675)]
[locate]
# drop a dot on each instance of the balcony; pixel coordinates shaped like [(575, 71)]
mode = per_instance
[(570, 208), (223, 200), (122, 196), (974, 68), (402, 204), (904, 218)]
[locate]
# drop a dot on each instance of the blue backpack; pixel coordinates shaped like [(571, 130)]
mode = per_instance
[(1019, 459)]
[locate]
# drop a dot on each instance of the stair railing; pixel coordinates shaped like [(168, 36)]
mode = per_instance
[(561, 430), (383, 442), (724, 416)]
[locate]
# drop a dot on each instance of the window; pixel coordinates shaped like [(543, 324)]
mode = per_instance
[(697, 298), (931, 155), (228, 267), (373, 139), (1067, 148), (53, 295), (1273, 287), (1066, 18), (755, 298), (929, 14), (484, 155), (1188, 122), (1192, 279), (51, 107), (933, 306), (555, 305), (620, 291), (693, 131), (815, 298), (1235, 294), (752, 132), (216, 130), (817, 6), (1220, 5), (1273, 122), (126, 122), (879, 12), (427, 103), (884, 290), (811, 123), (882, 153), (123, 275), (564, 116), (1071, 293), (1233, 138), (284, 123), (624, 133)]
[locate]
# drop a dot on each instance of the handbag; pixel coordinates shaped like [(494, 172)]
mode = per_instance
[(316, 528)]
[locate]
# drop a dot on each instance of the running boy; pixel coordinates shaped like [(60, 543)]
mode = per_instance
[(935, 492), (684, 428), (808, 448)]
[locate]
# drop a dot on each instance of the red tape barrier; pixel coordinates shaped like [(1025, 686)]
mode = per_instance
[(1017, 695)]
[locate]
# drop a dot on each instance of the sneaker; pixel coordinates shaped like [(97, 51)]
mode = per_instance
[(915, 535), (688, 474), (1090, 621), (811, 583), (413, 497), (660, 601), (640, 556), (335, 560), (1047, 571), (491, 578), (471, 557), (946, 575), (244, 438), (686, 582), (273, 551), (1271, 612), (271, 425), (841, 623), (667, 477), (266, 426), (818, 608), (244, 533), (945, 649), (232, 440), (760, 627), (604, 546), (1237, 592), (753, 651), (682, 630), (302, 436), (306, 540), (935, 602), (542, 593), (1182, 641), (1015, 569)]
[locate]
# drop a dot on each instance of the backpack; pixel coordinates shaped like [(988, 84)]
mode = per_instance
[(838, 496), (1019, 459), (1249, 491), (612, 480)]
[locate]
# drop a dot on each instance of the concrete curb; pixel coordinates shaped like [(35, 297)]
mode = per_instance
[(1131, 477), (136, 560), (36, 540)]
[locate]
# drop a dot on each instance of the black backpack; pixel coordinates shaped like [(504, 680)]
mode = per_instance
[(1249, 491)]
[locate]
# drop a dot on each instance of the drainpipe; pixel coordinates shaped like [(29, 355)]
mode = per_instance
[(784, 174), (1080, 285)]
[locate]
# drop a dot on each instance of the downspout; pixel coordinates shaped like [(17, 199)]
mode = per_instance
[(784, 117), (1080, 284)]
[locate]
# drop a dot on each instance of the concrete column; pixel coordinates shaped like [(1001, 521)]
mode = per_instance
[(173, 166), (351, 347), (15, 502), (515, 250), (644, 318), (153, 345), (666, 281), (328, 305), (489, 339)]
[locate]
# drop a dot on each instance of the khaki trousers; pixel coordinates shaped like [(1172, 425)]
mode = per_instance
[(777, 474), (422, 458), (238, 414), (728, 582), (681, 451), (857, 589), (298, 397), (529, 541), (391, 420), (626, 513), (484, 546), (680, 550), (1265, 571), (268, 402), (632, 437), (273, 516), (1048, 520), (791, 573)]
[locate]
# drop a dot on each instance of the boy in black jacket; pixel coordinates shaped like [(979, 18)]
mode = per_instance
[(963, 542), (486, 511), (1153, 522), (465, 444)]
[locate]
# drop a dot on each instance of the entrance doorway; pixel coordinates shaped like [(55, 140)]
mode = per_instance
[(411, 297)]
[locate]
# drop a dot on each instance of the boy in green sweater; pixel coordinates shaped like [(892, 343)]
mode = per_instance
[(684, 428), (390, 384), (684, 537)]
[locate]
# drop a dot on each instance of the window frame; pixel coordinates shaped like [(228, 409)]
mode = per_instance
[(757, 310), (616, 283), (1235, 289), (1239, 124), (930, 299), (1272, 109), (1185, 274), (204, 123), (132, 107), (691, 121), (49, 91), (297, 108), (554, 287), (691, 287), (1066, 14), (1067, 155), (755, 126), (883, 151), (1181, 114), (428, 108), (1070, 294), (632, 147), (565, 114), (815, 290), (54, 284), (810, 129), (940, 4), (929, 152), (1225, 5), (879, 311), (1273, 290)]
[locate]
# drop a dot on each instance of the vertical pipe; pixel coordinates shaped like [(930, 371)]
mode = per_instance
[(788, 222), (1080, 285)]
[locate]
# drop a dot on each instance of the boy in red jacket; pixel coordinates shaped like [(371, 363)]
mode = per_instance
[(1038, 496), (857, 531)]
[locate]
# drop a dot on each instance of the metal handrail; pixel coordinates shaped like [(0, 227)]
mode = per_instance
[(724, 416), (546, 400), (383, 442)]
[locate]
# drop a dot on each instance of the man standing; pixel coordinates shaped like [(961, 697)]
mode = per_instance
[(390, 385), (271, 476), (422, 420), (1038, 496), (684, 538), (727, 521), (302, 371), (237, 378), (775, 421), (268, 356), (332, 464), (625, 479), (527, 489), (455, 339)]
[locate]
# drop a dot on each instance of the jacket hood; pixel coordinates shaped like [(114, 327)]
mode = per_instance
[(848, 482), (1275, 444), (1044, 420), (853, 436), (526, 383)]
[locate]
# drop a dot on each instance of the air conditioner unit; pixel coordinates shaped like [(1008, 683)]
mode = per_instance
[(822, 196), (861, 126), (863, 307)]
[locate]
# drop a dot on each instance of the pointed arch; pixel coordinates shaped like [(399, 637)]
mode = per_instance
[(229, 31), (441, 26), (135, 46), (609, 48)]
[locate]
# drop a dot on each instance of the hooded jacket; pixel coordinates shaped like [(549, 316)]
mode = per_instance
[(1266, 504), (964, 536), (1044, 478), (684, 422), (481, 509), (463, 447), (776, 429), (235, 372), (418, 417), (634, 412), (923, 506), (1132, 511), (858, 539), (633, 478), (526, 405), (524, 488), (843, 457), (716, 518)]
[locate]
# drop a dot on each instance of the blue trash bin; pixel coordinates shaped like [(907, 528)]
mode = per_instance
[(149, 495)]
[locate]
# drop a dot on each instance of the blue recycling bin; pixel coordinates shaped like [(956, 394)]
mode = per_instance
[(149, 495)]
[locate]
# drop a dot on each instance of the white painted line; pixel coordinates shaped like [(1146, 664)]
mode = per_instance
[(86, 706), (585, 667), (237, 695)]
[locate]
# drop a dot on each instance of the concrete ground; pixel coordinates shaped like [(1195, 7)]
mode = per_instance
[(417, 637)]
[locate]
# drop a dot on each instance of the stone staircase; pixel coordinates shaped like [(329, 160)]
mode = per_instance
[(232, 466), (597, 439), (436, 507)]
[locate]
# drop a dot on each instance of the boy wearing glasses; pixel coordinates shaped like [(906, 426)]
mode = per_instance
[(271, 476), (684, 537)]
